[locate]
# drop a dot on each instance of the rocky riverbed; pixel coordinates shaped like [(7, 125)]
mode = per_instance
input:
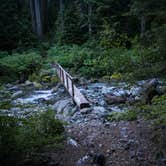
[(92, 140)]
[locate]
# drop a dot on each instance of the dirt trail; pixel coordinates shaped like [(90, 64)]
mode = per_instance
[(134, 143)]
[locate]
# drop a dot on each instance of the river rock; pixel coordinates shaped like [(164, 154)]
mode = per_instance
[(99, 110), (85, 111), (59, 106), (112, 99), (161, 90), (83, 161), (135, 91), (72, 142), (37, 85), (14, 88), (17, 94), (28, 83), (162, 162), (56, 88)]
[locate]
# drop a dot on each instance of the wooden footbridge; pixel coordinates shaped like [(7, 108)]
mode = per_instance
[(68, 81)]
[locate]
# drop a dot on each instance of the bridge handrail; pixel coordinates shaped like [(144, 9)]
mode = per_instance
[(68, 82)]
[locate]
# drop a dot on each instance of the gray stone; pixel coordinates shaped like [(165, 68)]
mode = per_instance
[(99, 110), (56, 88), (59, 106), (85, 110), (149, 90), (162, 162), (82, 161), (72, 142), (135, 91), (15, 109), (161, 90), (17, 94), (37, 85), (28, 83), (112, 99), (14, 88)]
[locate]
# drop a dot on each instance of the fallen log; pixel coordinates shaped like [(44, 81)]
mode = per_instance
[(68, 82)]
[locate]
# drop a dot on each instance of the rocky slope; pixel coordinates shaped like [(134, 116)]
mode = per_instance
[(91, 139)]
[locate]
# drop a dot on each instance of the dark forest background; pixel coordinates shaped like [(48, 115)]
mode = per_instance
[(90, 37)]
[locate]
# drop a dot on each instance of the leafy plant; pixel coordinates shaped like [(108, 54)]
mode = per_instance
[(19, 66), (126, 116), (21, 137)]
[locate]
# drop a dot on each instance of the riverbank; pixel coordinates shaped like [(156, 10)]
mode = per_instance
[(92, 137)]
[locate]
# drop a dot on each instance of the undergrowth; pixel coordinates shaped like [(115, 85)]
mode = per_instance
[(156, 111), (25, 137), (96, 61)]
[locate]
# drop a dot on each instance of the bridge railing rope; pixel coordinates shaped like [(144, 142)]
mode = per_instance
[(68, 82)]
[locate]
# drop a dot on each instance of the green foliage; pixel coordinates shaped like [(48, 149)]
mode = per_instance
[(21, 137), (15, 25), (94, 61), (161, 39), (19, 66), (156, 112), (5, 105), (109, 38), (126, 116)]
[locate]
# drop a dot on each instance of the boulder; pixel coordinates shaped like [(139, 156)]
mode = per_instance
[(61, 104), (37, 85), (112, 99), (28, 83), (161, 90), (149, 91), (17, 94)]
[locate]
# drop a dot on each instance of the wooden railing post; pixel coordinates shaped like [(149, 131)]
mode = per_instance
[(72, 89)]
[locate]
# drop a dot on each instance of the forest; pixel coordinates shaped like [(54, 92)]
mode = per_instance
[(115, 51)]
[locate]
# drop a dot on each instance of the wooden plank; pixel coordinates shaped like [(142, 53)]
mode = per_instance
[(74, 92)]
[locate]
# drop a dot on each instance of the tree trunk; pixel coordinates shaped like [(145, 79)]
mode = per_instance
[(39, 16), (39, 26), (61, 12), (44, 14), (33, 17), (143, 25), (19, 4), (90, 18)]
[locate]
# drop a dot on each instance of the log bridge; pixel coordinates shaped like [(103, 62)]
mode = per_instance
[(68, 81)]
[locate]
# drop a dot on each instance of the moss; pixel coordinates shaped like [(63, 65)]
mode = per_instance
[(116, 76), (5, 105), (34, 77), (106, 78), (46, 79), (54, 79)]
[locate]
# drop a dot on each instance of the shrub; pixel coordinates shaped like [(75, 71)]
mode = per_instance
[(109, 38), (97, 61), (126, 116), (19, 66), (22, 137), (156, 112)]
